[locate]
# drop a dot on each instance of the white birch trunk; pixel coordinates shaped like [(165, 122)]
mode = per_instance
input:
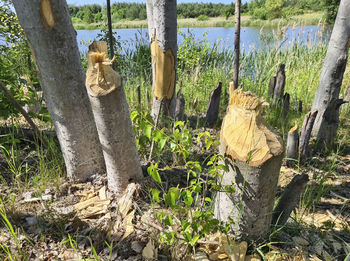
[(162, 28), (52, 38), (327, 94)]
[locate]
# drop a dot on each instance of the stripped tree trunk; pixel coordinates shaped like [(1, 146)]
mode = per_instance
[(292, 149), (278, 91), (289, 199), (327, 94), (237, 42), (53, 43), (305, 134), (253, 155), (180, 106), (162, 28), (214, 105), (111, 113)]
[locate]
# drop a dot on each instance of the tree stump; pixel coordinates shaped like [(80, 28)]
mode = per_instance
[(180, 106), (305, 134), (253, 155), (289, 199), (112, 117), (292, 149), (272, 84), (278, 91), (214, 105), (286, 105)]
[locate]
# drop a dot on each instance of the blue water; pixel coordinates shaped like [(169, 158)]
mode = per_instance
[(224, 37)]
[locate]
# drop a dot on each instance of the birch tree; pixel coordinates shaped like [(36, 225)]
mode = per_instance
[(52, 39), (162, 27), (326, 100)]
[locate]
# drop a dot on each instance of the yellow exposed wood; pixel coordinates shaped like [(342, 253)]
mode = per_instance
[(164, 66), (47, 17), (100, 77), (294, 128), (244, 132)]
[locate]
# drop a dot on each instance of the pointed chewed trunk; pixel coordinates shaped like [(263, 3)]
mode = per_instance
[(53, 43), (111, 112), (162, 28), (326, 99), (253, 155)]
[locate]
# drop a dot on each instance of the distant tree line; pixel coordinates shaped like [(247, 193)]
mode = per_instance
[(137, 11), (270, 9), (259, 9)]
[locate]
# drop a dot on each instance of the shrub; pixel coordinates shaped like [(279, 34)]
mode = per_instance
[(260, 13), (202, 18)]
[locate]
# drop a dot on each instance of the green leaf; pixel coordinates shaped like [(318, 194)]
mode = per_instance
[(168, 221), (153, 172), (155, 195), (194, 240), (148, 131)]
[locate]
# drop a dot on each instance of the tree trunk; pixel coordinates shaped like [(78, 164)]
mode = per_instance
[(325, 101), (111, 113), (53, 43), (305, 134), (214, 106), (253, 155), (110, 29), (237, 42), (162, 28), (272, 84), (292, 150)]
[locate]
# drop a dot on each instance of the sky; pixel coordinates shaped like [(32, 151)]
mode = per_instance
[(101, 2)]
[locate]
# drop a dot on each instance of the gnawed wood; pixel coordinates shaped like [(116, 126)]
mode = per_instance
[(292, 149), (278, 91), (305, 134), (214, 105), (47, 16), (253, 156), (164, 85), (245, 133), (289, 199), (286, 105), (111, 113), (180, 106)]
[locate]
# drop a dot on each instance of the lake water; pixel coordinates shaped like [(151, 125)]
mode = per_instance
[(224, 37)]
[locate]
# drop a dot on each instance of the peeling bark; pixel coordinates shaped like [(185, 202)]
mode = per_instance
[(52, 38)]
